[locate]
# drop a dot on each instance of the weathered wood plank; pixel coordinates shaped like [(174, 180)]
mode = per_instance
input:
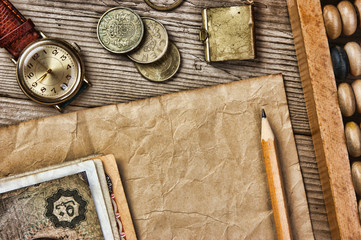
[(13, 111), (312, 183)]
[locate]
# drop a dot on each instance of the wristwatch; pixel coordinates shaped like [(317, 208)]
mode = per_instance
[(48, 70)]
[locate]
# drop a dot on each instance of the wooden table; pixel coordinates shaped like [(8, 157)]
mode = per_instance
[(115, 78)]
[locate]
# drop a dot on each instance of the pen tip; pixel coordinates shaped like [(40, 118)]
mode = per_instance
[(263, 113)]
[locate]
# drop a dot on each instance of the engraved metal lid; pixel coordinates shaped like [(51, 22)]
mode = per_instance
[(120, 30), (154, 44), (164, 68), (228, 33)]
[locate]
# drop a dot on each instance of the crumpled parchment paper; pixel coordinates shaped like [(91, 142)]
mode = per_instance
[(191, 162)]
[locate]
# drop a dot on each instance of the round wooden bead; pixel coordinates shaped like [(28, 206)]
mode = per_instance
[(340, 62), (348, 16), (356, 176), (353, 51), (357, 4), (353, 139), (346, 99), (356, 87), (332, 20)]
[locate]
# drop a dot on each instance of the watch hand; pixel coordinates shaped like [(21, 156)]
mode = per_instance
[(44, 76)]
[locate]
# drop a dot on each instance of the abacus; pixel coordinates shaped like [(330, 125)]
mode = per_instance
[(343, 22)]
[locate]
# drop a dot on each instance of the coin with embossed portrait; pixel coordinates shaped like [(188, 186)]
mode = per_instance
[(164, 68), (120, 30), (154, 44)]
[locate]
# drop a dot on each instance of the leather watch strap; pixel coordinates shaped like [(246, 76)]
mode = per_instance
[(15, 31)]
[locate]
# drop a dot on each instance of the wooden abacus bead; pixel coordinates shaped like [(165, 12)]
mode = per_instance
[(348, 16), (333, 23), (346, 99), (353, 51), (356, 87), (353, 139), (357, 4), (340, 62), (356, 176)]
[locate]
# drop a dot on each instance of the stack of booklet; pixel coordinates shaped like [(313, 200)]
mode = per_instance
[(82, 199)]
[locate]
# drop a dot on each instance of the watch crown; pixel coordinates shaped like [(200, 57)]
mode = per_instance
[(76, 46)]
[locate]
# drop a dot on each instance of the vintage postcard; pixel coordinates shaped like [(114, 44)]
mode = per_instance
[(66, 202)]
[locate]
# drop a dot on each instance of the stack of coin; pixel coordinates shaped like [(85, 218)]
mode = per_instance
[(144, 40)]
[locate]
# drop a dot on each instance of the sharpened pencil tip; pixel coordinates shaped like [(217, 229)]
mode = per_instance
[(263, 113)]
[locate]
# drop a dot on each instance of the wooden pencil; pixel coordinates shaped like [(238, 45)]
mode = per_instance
[(274, 179)]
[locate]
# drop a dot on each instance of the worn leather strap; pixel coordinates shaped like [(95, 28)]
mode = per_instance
[(15, 31)]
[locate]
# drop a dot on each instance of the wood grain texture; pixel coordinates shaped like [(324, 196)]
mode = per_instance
[(115, 78), (325, 118)]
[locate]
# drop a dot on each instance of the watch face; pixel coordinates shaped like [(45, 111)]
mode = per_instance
[(49, 72)]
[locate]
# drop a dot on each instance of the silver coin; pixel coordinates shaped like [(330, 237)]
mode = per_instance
[(120, 30)]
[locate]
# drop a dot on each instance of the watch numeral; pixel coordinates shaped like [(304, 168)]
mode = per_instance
[(43, 89), (29, 65), (45, 52), (53, 90), (34, 84), (36, 56), (68, 67), (63, 58), (55, 52), (30, 75), (68, 77)]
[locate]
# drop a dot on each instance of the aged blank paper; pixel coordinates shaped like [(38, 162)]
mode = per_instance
[(191, 162)]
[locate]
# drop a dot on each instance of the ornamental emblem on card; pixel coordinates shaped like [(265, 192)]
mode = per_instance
[(228, 33), (66, 208)]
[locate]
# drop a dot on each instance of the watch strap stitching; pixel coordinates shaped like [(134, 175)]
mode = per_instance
[(16, 33), (10, 20), (13, 10)]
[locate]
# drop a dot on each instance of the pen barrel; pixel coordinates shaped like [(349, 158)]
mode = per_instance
[(276, 189)]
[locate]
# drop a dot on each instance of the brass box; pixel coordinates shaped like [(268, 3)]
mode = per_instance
[(228, 33)]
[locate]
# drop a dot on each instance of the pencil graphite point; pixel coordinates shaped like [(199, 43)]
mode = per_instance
[(263, 113)]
